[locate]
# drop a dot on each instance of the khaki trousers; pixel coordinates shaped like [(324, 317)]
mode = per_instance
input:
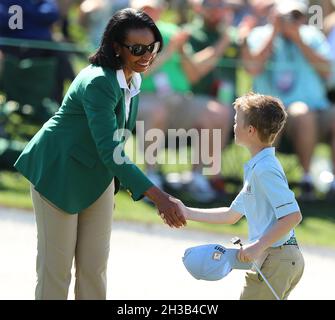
[(283, 268), (62, 237)]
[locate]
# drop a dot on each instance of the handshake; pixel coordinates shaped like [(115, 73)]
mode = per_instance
[(171, 210)]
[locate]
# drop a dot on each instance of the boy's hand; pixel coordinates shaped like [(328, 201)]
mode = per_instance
[(250, 252), (182, 207)]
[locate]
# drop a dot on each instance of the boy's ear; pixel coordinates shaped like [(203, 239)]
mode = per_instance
[(252, 129)]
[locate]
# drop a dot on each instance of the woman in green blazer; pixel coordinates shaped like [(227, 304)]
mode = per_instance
[(73, 167)]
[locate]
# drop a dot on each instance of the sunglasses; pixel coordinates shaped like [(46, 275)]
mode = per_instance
[(140, 49)]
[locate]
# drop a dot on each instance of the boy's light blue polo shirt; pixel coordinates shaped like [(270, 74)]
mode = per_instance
[(265, 196)]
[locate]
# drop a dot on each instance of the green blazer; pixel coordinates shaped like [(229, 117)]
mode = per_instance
[(70, 159)]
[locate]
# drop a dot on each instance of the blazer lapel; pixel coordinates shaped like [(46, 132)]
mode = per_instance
[(122, 112), (132, 113)]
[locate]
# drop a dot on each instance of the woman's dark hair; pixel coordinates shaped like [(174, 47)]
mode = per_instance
[(116, 31)]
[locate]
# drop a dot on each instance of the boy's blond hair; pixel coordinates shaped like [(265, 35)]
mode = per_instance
[(266, 113)]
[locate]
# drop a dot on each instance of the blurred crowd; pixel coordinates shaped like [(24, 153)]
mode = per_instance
[(214, 51)]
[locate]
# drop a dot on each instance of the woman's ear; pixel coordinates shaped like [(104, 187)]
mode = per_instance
[(117, 49)]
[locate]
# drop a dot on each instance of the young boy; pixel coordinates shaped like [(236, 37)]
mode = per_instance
[(265, 200)]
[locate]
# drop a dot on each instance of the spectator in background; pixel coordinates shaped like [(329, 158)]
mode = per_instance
[(167, 102), (327, 8), (182, 10), (64, 8), (256, 15), (93, 15), (329, 30), (329, 23), (120, 4), (214, 44), (291, 60), (38, 18), (212, 23), (329, 27), (257, 9), (241, 8)]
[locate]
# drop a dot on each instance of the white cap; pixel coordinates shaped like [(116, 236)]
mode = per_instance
[(287, 6), (139, 4)]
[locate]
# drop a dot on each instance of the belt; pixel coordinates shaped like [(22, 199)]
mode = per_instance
[(291, 242)]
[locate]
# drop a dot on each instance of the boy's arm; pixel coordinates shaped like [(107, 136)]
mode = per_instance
[(280, 229), (222, 215), (274, 188), (283, 225)]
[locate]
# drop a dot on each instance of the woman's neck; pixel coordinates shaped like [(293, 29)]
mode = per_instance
[(128, 75)]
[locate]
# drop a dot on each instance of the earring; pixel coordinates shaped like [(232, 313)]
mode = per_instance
[(117, 55)]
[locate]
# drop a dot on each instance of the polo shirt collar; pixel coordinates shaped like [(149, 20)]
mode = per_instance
[(135, 81), (269, 151)]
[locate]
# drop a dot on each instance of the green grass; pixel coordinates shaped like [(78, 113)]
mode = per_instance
[(313, 230), (14, 191), (316, 231), (317, 227)]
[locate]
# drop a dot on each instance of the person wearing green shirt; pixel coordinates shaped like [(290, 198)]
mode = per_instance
[(210, 24), (77, 156)]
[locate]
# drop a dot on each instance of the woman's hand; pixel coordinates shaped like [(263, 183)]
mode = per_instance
[(169, 210)]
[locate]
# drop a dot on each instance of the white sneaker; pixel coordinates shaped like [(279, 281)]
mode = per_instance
[(200, 188)]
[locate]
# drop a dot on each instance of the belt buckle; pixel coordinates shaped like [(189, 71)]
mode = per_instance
[(291, 242)]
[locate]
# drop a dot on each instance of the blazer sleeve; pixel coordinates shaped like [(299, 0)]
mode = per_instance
[(99, 101)]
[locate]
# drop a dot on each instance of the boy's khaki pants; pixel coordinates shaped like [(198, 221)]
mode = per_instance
[(283, 268), (62, 237)]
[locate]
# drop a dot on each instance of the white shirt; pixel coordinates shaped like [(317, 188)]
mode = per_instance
[(129, 92)]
